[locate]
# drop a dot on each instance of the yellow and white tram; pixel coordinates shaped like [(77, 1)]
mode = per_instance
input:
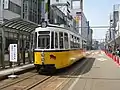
[(56, 47)]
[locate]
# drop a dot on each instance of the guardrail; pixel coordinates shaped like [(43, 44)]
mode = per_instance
[(114, 57)]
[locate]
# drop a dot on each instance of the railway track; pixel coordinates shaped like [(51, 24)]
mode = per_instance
[(33, 81), (25, 83)]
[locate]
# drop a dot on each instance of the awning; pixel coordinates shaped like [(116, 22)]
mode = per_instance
[(20, 24)]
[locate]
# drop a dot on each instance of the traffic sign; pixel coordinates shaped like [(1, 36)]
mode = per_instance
[(13, 52)]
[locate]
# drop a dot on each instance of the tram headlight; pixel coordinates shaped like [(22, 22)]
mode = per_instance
[(42, 54), (42, 59)]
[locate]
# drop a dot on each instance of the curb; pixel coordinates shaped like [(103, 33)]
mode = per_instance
[(2, 77)]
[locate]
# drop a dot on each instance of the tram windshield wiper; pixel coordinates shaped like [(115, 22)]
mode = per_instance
[(47, 46)]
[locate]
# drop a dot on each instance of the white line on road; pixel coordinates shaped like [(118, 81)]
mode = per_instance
[(76, 80)]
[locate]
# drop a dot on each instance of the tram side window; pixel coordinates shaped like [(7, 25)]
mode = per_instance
[(71, 41), (52, 40), (78, 40), (66, 41), (35, 40), (61, 39), (76, 43), (56, 40)]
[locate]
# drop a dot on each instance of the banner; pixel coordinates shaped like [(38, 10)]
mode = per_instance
[(77, 19)]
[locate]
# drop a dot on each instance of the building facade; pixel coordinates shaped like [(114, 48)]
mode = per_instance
[(25, 9), (65, 7), (16, 31), (90, 33), (9, 9), (113, 33), (95, 44)]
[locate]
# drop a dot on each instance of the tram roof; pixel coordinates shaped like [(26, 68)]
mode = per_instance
[(20, 24)]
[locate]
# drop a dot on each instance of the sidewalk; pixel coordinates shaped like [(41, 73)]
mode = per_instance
[(102, 74), (18, 70)]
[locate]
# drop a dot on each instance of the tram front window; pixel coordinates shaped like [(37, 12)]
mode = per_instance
[(43, 41)]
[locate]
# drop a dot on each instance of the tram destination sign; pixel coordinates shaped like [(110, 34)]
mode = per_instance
[(13, 52)]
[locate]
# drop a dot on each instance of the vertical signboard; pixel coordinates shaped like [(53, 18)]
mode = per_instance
[(6, 4), (13, 52)]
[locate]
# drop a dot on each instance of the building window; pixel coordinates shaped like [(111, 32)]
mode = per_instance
[(57, 0), (52, 40)]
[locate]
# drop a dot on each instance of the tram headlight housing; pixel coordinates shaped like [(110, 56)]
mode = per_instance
[(42, 54), (42, 59)]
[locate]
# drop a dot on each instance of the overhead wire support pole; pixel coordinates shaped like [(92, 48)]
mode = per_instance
[(96, 27), (2, 29), (81, 7), (114, 29)]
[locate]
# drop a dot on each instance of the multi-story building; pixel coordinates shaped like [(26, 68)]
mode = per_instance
[(90, 32), (82, 24), (113, 34), (82, 27), (26, 9), (95, 44), (65, 7), (31, 10), (76, 15), (9, 9), (16, 30)]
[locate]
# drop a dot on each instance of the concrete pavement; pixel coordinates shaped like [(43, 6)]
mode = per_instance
[(102, 74)]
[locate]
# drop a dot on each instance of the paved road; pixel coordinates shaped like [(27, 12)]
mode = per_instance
[(101, 73)]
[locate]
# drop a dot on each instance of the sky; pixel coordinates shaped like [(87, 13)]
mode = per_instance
[(98, 13)]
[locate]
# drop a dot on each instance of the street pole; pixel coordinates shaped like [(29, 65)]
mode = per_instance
[(114, 29), (2, 29), (81, 7)]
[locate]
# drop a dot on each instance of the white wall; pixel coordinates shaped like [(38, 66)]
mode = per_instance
[(18, 2), (10, 15), (60, 1)]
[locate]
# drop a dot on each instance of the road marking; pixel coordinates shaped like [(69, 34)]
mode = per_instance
[(78, 78), (101, 59), (67, 81)]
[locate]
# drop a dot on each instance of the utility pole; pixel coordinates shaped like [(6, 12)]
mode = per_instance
[(2, 29), (81, 8), (114, 30)]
